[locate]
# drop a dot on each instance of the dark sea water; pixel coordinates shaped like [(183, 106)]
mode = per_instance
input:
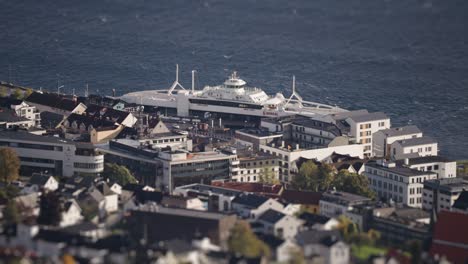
[(408, 58)]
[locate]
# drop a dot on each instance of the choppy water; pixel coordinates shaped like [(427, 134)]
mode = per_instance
[(408, 58)]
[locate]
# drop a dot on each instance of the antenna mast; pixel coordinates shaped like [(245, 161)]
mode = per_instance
[(176, 82), (193, 81)]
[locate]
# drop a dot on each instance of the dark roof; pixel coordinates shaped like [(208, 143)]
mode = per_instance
[(50, 119), (311, 123), (312, 219), (39, 179), (400, 170), (336, 157), (9, 116), (309, 237), (52, 100), (82, 181), (424, 160), (451, 236), (253, 187), (271, 216), (301, 197), (462, 201), (148, 196), (25, 136), (250, 200), (416, 141), (272, 241), (9, 101), (89, 120), (344, 198), (81, 227), (106, 113), (59, 236)]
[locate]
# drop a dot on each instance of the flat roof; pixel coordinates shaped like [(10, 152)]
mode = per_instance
[(401, 171), (367, 117), (150, 209), (400, 131), (447, 184), (25, 136), (416, 141)]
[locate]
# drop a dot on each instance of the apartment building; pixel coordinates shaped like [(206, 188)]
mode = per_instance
[(310, 133), (441, 194), (401, 184), (363, 126), (256, 167), (444, 167), (55, 155), (414, 147), (382, 140)]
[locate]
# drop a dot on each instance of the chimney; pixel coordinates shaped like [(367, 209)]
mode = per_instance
[(406, 161), (297, 146), (282, 143)]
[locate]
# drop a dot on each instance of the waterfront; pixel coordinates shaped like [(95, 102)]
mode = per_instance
[(406, 58)]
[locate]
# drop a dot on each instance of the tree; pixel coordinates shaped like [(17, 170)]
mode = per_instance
[(10, 164), (50, 209), (267, 176), (10, 213), (347, 227), (313, 177), (17, 94), (353, 183), (243, 241), (27, 92), (7, 193), (118, 173), (3, 91)]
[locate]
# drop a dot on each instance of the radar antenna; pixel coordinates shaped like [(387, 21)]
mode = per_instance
[(294, 93), (176, 82)]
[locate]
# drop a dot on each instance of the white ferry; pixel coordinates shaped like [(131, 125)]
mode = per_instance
[(233, 98)]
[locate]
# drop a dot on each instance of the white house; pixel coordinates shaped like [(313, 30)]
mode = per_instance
[(382, 140), (363, 126), (441, 194), (280, 225), (251, 206), (71, 214), (422, 146), (45, 182), (326, 244), (444, 168), (27, 111)]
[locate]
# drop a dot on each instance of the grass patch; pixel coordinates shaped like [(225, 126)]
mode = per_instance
[(364, 252)]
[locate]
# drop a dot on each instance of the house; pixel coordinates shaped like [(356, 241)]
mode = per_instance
[(216, 198), (51, 102), (334, 204), (118, 117), (43, 182), (450, 237), (441, 194), (71, 213), (363, 126), (318, 222), (306, 200), (282, 249), (279, 224), (183, 202), (422, 147), (179, 223), (251, 206), (382, 140), (9, 119), (324, 243), (397, 183)]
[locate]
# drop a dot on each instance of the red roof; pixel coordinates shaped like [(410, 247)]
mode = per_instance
[(271, 190), (450, 237)]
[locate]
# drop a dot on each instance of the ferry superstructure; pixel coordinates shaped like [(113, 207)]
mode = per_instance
[(232, 98)]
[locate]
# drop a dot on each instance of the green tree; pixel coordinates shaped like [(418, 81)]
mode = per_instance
[(243, 241), (17, 94), (10, 213), (7, 193), (27, 92), (51, 209), (118, 173), (353, 183), (9, 164), (3, 91), (313, 177), (267, 176), (347, 227)]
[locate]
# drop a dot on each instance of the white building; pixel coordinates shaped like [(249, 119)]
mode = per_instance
[(444, 168), (27, 111), (382, 140), (280, 225), (50, 102), (363, 126), (334, 204), (326, 244), (401, 184), (54, 155), (414, 147), (442, 193), (71, 214), (253, 167), (9, 119), (287, 156)]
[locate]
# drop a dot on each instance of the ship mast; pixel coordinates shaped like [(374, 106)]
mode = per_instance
[(294, 94), (176, 82)]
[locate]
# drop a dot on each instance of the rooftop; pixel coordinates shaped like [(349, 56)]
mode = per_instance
[(368, 117), (52, 100), (417, 141), (344, 198), (462, 201), (25, 136), (210, 189), (250, 200), (424, 160), (399, 170), (9, 116), (253, 187), (311, 123), (447, 184), (271, 216), (400, 131), (152, 209)]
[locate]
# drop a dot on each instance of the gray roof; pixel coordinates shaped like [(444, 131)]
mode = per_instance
[(424, 160), (183, 212), (416, 141), (271, 216), (250, 200), (369, 117), (203, 188), (447, 184), (39, 179), (399, 170), (10, 116), (344, 115), (462, 202), (400, 131), (344, 198), (25, 136), (311, 237)]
